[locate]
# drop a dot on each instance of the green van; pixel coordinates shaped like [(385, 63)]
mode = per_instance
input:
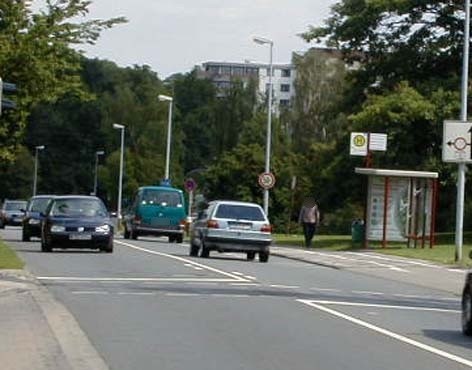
[(156, 210)]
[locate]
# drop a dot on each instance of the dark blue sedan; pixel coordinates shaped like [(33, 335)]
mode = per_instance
[(76, 222), (32, 220)]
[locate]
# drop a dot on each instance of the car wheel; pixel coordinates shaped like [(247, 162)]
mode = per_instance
[(45, 247), (251, 256), (2, 225), (194, 250), (108, 248), (205, 253), (263, 256), (171, 239), (179, 239), (467, 312), (25, 236), (126, 233)]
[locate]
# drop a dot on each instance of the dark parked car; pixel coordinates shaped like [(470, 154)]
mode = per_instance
[(12, 213), (32, 220), (227, 226), (467, 305), (76, 222)]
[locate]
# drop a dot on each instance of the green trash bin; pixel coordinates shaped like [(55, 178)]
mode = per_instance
[(357, 231)]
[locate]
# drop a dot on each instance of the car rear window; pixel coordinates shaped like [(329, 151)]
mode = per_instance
[(39, 204), (78, 208), (239, 212), (162, 197), (15, 206)]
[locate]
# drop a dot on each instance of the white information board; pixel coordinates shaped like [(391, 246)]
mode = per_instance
[(457, 140)]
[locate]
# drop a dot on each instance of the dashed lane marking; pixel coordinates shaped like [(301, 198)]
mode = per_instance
[(388, 333), (284, 286), (70, 279), (181, 259), (367, 292), (244, 284), (89, 292), (326, 290)]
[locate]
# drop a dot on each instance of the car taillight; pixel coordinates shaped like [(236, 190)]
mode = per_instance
[(183, 223), (137, 220), (212, 224), (266, 228)]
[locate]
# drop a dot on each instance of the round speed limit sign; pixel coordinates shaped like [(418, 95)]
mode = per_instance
[(266, 180)]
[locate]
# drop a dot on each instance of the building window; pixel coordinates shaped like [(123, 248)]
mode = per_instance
[(284, 102), (226, 70), (286, 72), (285, 87), (268, 72), (238, 71)]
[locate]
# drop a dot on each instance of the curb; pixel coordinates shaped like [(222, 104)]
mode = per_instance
[(77, 349), (301, 259)]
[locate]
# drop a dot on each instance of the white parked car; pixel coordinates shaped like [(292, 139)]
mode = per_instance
[(228, 226)]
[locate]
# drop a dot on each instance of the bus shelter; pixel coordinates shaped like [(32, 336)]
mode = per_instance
[(401, 206)]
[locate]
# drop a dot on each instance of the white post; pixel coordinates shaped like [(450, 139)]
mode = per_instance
[(169, 139), (269, 129), (95, 180), (190, 205), (35, 178), (120, 185), (462, 167)]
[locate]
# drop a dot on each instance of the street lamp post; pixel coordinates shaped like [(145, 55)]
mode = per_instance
[(169, 134), (95, 181), (462, 166), (36, 160), (120, 181), (265, 41)]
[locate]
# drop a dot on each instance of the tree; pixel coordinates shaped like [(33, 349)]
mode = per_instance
[(36, 53)]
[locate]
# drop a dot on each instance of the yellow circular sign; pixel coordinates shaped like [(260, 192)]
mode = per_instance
[(359, 140)]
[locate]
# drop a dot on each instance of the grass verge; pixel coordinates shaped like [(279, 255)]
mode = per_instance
[(443, 252), (8, 258)]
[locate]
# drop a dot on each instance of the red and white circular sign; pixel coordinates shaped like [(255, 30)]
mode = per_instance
[(266, 180)]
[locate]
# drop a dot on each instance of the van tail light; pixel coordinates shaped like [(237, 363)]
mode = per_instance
[(266, 228), (212, 224), (137, 220), (183, 224)]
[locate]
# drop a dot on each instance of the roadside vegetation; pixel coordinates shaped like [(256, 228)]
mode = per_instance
[(8, 258), (394, 67)]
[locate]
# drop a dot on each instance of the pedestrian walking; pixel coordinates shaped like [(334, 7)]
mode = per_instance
[(309, 218)]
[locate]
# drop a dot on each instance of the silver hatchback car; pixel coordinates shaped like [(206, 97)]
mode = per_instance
[(228, 226)]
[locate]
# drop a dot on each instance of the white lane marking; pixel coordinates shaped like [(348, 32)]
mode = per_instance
[(386, 306), (244, 284), (413, 296), (390, 267), (70, 279), (450, 299), (91, 292), (237, 273), (181, 259), (399, 260), (183, 294), (231, 295), (249, 277), (366, 292), (390, 334), (284, 286), (136, 293), (457, 271), (327, 290)]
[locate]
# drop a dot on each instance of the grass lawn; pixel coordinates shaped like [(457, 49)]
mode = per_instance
[(8, 258), (443, 252)]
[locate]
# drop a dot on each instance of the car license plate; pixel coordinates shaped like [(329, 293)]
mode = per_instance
[(240, 226), (80, 237), (17, 219)]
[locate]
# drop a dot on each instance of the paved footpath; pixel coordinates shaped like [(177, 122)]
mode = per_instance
[(38, 333), (417, 272)]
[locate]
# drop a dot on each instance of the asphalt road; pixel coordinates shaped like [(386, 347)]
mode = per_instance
[(150, 306)]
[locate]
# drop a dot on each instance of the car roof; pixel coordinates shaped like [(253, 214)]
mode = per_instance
[(14, 200), (62, 197), (235, 203), (165, 188), (43, 196)]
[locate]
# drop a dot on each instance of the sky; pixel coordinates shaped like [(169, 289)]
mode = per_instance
[(173, 36)]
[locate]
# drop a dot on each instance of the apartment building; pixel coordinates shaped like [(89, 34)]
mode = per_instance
[(222, 74)]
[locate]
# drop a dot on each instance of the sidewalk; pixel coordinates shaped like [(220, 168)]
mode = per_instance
[(37, 332), (417, 272)]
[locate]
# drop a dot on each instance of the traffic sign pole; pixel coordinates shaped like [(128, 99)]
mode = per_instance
[(462, 166)]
